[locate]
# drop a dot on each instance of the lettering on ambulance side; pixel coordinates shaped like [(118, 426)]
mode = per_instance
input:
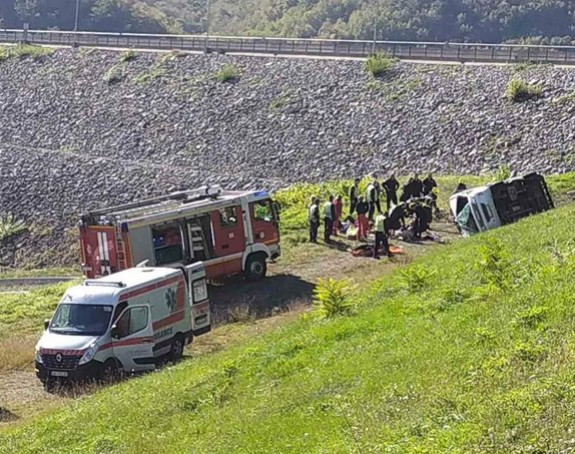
[(164, 333)]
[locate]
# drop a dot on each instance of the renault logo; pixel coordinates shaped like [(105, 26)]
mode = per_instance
[(59, 357)]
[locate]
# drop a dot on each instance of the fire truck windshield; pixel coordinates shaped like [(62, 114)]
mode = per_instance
[(81, 319)]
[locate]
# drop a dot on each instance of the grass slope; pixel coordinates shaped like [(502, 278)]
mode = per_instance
[(475, 354)]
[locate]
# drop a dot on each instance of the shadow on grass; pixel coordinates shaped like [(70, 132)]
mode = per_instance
[(237, 300)]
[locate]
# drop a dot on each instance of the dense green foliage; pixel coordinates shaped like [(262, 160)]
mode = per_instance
[(549, 21), (476, 354), (518, 90)]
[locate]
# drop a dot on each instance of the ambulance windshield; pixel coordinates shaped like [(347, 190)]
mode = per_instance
[(81, 319)]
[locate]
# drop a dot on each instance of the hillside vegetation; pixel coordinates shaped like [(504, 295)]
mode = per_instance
[(549, 21), (469, 349)]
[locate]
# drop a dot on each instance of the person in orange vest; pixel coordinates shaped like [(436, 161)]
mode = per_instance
[(362, 209), (338, 206)]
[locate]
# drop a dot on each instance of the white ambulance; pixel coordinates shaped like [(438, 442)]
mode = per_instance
[(123, 323)]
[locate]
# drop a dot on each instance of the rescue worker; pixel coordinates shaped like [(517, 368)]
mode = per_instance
[(328, 219), (313, 216), (417, 188), (373, 199), (429, 184), (338, 205), (396, 219), (353, 196), (391, 185), (362, 222), (406, 191), (460, 187), (380, 237)]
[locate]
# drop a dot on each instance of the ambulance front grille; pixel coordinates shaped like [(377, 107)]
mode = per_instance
[(67, 362)]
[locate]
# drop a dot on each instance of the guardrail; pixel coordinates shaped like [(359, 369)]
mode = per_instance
[(457, 52)]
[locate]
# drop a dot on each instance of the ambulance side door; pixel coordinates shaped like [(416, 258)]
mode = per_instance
[(133, 339)]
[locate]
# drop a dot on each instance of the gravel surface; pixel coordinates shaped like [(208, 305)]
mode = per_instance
[(82, 128)]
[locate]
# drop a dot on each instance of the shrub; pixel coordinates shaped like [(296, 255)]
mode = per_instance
[(417, 277), (9, 227), (378, 64), (494, 263), (331, 297), (228, 73), (503, 173), (518, 90), (22, 51), (128, 55)]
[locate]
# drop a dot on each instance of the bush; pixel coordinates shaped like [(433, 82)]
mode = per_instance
[(494, 263), (503, 173), (518, 90), (9, 227), (417, 277), (379, 64), (22, 51), (128, 55), (228, 73), (331, 297)]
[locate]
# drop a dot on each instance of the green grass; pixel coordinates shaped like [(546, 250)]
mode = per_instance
[(22, 51), (474, 354)]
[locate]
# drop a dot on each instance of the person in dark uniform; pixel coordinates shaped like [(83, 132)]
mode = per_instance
[(396, 218), (460, 187), (406, 191), (417, 186), (313, 216), (362, 221), (354, 196), (429, 184), (391, 185)]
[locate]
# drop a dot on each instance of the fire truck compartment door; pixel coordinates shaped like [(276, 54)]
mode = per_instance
[(134, 345), (229, 236), (142, 245)]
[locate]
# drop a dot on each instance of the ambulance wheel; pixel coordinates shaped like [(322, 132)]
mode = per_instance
[(256, 267), (109, 373), (177, 348)]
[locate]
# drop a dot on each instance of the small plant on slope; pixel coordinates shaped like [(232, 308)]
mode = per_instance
[(518, 90), (331, 297), (9, 227), (417, 277), (228, 73), (503, 173), (378, 64), (128, 56)]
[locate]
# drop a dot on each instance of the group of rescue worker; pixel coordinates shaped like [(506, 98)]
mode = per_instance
[(417, 200)]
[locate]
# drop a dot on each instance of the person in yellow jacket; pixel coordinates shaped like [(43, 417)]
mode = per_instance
[(380, 236)]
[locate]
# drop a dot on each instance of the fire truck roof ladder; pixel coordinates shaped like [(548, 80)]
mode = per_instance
[(204, 192)]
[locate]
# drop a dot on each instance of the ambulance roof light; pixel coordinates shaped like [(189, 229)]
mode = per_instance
[(99, 283)]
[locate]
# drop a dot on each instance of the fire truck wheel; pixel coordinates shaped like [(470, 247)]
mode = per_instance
[(256, 267), (109, 373), (177, 348)]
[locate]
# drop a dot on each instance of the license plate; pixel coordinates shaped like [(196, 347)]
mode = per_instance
[(57, 373)]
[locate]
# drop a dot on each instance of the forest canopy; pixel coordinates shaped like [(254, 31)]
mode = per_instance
[(547, 21)]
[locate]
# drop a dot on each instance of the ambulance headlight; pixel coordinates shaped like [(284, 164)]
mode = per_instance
[(38, 355), (89, 355)]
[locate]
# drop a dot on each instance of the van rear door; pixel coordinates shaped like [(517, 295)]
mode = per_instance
[(133, 343), (198, 291)]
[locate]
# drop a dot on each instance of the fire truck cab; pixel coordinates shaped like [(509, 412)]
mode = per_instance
[(229, 231)]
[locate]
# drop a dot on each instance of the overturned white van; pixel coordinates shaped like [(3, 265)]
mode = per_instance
[(478, 209), (123, 323)]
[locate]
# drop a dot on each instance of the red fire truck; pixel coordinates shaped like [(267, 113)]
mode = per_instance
[(230, 231)]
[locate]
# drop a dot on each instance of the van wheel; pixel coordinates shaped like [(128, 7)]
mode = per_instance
[(177, 349), (256, 267), (109, 373)]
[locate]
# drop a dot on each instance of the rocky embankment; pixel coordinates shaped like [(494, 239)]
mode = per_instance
[(84, 128)]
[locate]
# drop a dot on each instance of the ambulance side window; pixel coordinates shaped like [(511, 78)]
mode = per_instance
[(119, 309), (228, 217), (132, 321)]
